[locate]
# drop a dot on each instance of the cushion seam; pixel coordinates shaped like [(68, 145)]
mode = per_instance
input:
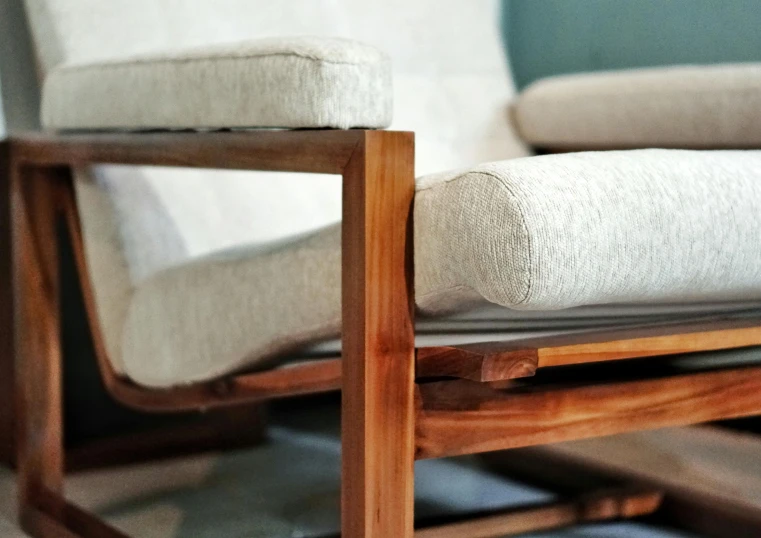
[(529, 246), (145, 62)]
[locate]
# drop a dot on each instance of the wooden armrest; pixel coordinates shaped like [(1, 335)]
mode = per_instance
[(318, 151)]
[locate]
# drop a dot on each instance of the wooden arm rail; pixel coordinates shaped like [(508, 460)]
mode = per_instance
[(314, 151)]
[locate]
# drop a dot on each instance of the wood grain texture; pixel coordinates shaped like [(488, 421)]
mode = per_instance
[(667, 340), (462, 417), (314, 151), (512, 359), (378, 339), (38, 360), (477, 362), (620, 503), (7, 424), (308, 378)]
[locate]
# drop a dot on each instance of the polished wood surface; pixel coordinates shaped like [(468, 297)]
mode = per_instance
[(478, 362), (315, 151), (38, 365), (666, 339), (307, 378), (620, 503), (378, 339), (7, 424), (512, 359), (380, 172), (463, 417)]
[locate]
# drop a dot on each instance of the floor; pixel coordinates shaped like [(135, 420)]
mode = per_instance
[(289, 487)]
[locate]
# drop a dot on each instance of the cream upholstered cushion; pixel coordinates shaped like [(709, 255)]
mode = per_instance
[(537, 233), (710, 106), (275, 82), (165, 218), (158, 230)]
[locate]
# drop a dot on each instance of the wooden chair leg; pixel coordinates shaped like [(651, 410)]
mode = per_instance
[(38, 367), (378, 339), (6, 313)]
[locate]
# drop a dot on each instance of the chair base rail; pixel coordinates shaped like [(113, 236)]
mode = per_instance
[(707, 511), (464, 417), (625, 502), (55, 517)]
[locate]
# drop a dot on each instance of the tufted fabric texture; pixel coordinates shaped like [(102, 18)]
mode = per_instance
[(538, 233), (709, 106), (276, 82)]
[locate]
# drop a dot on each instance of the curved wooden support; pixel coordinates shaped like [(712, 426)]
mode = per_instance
[(7, 390), (310, 378)]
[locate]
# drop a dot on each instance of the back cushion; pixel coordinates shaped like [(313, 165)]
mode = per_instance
[(452, 87)]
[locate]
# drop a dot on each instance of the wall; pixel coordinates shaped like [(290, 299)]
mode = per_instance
[(548, 37), (19, 92)]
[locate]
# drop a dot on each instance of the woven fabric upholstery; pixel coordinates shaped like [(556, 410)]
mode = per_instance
[(538, 233), (276, 82), (709, 106), (139, 222), (200, 273)]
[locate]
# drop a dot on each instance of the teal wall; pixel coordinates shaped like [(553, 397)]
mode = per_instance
[(548, 37)]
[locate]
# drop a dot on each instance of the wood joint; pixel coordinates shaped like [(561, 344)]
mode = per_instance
[(477, 362)]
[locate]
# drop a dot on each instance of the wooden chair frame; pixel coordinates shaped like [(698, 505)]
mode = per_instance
[(398, 403)]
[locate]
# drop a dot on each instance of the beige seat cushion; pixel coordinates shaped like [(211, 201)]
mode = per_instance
[(275, 82), (536, 233), (711, 106)]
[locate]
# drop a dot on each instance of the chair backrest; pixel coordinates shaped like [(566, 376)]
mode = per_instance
[(452, 87), (451, 77)]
